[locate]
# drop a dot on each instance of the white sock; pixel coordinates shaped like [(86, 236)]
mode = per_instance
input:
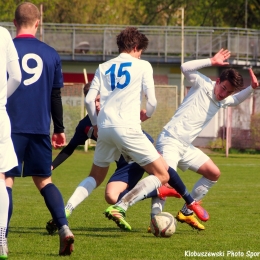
[(139, 192), (83, 190), (199, 190), (157, 206), (4, 202)]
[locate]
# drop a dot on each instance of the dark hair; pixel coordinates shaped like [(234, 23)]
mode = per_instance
[(130, 38), (86, 88), (26, 14), (234, 77)]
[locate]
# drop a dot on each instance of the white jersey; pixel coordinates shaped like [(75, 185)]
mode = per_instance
[(121, 82), (200, 104), (8, 53)]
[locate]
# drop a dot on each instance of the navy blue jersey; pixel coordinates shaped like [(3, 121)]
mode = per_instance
[(81, 133), (29, 108)]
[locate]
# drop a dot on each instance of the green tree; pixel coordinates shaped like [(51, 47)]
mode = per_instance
[(211, 13)]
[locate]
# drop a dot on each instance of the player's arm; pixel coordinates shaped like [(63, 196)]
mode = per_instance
[(58, 138), (149, 91), (65, 153), (14, 79), (12, 66), (91, 108), (239, 97), (151, 103), (190, 68)]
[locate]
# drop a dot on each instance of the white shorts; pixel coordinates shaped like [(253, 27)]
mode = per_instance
[(8, 158), (177, 154), (131, 143)]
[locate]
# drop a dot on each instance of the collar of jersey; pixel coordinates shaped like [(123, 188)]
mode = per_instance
[(25, 36)]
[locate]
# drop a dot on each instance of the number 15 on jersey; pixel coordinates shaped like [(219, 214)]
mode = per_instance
[(119, 78)]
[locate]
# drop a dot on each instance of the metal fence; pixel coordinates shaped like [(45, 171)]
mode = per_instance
[(97, 42)]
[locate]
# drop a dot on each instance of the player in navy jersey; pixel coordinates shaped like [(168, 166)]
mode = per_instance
[(8, 63), (30, 109), (124, 179)]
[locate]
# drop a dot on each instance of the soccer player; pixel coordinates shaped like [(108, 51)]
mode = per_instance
[(120, 83), (29, 109), (8, 63), (125, 177), (202, 102)]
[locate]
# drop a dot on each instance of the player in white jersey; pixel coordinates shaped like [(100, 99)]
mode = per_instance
[(8, 63), (202, 102), (121, 82)]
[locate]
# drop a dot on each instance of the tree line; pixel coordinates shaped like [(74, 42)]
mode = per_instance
[(211, 13)]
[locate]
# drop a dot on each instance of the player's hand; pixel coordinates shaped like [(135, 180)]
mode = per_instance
[(143, 115), (254, 81), (58, 140), (220, 57)]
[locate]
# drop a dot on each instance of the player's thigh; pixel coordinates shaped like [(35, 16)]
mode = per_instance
[(209, 170), (106, 150), (193, 159), (38, 157), (137, 146), (8, 158), (170, 149)]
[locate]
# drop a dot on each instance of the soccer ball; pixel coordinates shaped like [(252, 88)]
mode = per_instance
[(163, 224)]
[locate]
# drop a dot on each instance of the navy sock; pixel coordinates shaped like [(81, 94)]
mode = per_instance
[(176, 182), (152, 194), (55, 204), (10, 210)]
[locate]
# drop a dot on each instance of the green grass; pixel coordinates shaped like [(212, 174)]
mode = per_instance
[(233, 205)]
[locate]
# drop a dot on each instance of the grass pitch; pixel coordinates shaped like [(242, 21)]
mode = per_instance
[(232, 231)]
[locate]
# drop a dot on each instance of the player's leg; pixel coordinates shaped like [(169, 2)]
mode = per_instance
[(4, 202), (210, 174), (140, 149), (85, 188), (172, 151), (20, 142), (199, 162), (37, 163), (9, 181), (105, 153), (8, 160), (124, 179)]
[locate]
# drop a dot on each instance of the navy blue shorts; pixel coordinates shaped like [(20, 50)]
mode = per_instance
[(34, 154), (130, 174)]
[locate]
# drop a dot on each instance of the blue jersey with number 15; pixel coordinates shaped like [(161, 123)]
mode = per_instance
[(29, 108)]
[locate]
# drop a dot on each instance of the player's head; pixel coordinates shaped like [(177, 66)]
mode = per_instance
[(131, 39), (26, 15), (86, 88), (229, 81)]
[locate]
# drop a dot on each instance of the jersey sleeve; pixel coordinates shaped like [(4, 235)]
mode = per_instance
[(239, 97), (189, 68), (58, 77)]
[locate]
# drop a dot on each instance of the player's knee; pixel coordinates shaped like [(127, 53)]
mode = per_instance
[(213, 175), (164, 178), (111, 198)]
